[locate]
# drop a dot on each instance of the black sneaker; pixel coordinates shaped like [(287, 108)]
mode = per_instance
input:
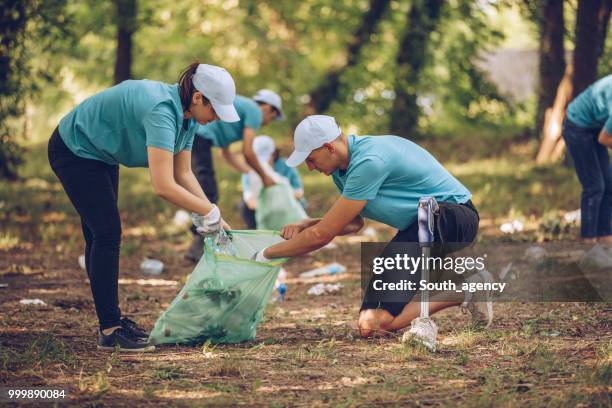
[(131, 325), (124, 340)]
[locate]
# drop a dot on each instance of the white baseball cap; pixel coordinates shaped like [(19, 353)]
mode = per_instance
[(271, 98), (217, 85), (264, 147), (312, 132)]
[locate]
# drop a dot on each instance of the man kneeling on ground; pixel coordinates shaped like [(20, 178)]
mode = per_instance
[(381, 178)]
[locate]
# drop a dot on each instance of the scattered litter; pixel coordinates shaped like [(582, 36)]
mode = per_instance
[(3, 285), (280, 285), (573, 217), (511, 227), (535, 253), (82, 261), (182, 218), (329, 269), (37, 302), (151, 266), (324, 289), (551, 334), (148, 282)]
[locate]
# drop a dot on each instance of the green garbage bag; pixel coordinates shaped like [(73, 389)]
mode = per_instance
[(278, 207), (226, 294)]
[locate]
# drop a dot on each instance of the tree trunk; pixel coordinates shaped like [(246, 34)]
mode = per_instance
[(13, 20), (322, 96), (553, 123), (591, 29), (552, 56), (126, 26), (421, 21)]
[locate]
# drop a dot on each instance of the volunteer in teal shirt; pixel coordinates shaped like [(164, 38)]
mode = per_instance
[(587, 132), (382, 178), (137, 124), (253, 113), (380, 173)]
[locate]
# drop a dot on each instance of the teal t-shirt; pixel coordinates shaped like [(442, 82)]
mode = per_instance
[(392, 174), (290, 173), (592, 109), (222, 134), (117, 125)]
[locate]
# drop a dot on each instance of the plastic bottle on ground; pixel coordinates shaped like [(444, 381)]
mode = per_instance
[(152, 266), (329, 269), (280, 285)]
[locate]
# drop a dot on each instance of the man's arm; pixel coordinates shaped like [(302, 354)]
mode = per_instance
[(341, 216), (251, 158), (234, 160)]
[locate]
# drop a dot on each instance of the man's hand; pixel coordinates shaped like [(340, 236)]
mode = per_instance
[(209, 223), (290, 230), (268, 181)]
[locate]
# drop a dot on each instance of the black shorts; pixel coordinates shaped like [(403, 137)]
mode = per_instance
[(456, 226)]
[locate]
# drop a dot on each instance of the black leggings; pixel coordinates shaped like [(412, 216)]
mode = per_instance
[(92, 187), (456, 226)]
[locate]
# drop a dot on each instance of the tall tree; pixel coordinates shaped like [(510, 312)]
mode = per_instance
[(421, 21), (549, 15), (27, 28), (591, 30), (323, 95), (126, 26)]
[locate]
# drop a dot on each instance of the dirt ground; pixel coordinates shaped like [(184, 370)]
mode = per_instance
[(306, 352)]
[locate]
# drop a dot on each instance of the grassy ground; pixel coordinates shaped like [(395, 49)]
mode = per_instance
[(306, 351)]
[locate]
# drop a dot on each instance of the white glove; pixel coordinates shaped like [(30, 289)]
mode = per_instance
[(209, 223), (259, 256)]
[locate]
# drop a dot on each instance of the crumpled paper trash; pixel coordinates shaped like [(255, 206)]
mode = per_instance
[(324, 289)]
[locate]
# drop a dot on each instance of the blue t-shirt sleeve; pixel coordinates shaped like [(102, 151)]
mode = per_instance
[(294, 179), (160, 128), (189, 143), (365, 178), (253, 117)]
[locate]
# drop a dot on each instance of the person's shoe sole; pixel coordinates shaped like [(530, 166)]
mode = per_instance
[(147, 349)]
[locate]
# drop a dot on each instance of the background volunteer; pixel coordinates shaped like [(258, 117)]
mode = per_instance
[(263, 108), (588, 135), (382, 178), (138, 124), (267, 153)]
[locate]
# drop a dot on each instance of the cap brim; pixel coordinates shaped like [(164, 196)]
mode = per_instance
[(226, 113), (296, 158)]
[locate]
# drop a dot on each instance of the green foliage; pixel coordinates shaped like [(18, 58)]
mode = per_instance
[(29, 32)]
